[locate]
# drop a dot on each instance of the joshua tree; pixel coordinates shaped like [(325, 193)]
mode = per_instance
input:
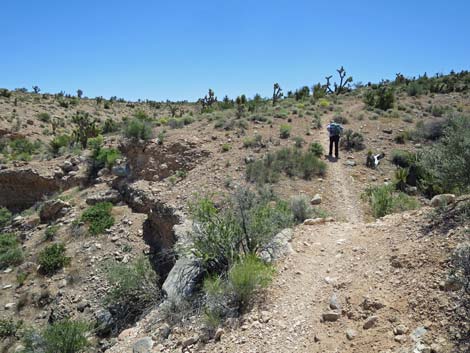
[(341, 88), (208, 99), (36, 89), (79, 93), (277, 93), (85, 128), (241, 102), (173, 108)]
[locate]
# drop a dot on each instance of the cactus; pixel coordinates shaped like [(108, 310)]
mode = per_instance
[(277, 93)]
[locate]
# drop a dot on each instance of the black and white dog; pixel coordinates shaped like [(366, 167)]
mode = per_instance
[(373, 160)]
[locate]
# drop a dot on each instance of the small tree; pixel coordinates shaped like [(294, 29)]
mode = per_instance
[(79, 93), (277, 93), (85, 128), (208, 100), (36, 89), (343, 83)]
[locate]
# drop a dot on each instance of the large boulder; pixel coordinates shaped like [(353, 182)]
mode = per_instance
[(112, 196), (182, 280), (442, 200), (52, 210), (278, 247)]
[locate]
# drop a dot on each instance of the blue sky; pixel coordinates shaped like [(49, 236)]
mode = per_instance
[(178, 49)]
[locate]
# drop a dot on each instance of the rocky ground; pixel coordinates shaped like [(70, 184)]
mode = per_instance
[(340, 278)]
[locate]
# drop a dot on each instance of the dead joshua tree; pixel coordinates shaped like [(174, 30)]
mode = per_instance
[(173, 109), (277, 93), (338, 89)]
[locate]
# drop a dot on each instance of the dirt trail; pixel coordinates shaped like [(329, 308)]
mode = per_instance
[(340, 183), (343, 262)]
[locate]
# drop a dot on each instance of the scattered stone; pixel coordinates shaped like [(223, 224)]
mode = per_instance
[(351, 334), (334, 304), (218, 334), (442, 200), (370, 322), (418, 333), (331, 316), (316, 200), (144, 345), (189, 342), (387, 131), (7, 286), (182, 280), (9, 306), (400, 338), (279, 246), (351, 163), (52, 210), (164, 331), (314, 221), (400, 330)]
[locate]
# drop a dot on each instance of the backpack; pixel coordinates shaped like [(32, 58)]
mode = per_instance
[(335, 129)]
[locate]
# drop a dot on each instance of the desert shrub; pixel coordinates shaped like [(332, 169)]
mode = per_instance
[(10, 250), (52, 258), (284, 131), (323, 102), (23, 149), (401, 176), (248, 275), (254, 141), (226, 147), (316, 122), (8, 327), (133, 282), (64, 336), (340, 119), (247, 225), (294, 162), (50, 232), (44, 117), (301, 208), (85, 128), (316, 148), (107, 157), (352, 140), (138, 129), (461, 261), (98, 217), (175, 123), (383, 200), (402, 137), (59, 142), (414, 89), (382, 98), (298, 141), (110, 126), (448, 160), (403, 159), (5, 217), (5, 93)]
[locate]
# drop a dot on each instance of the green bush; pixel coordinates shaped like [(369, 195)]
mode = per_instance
[(59, 142), (383, 200), (284, 131), (246, 225), (298, 142), (52, 258), (301, 208), (51, 232), (382, 98), (316, 148), (132, 281), (5, 217), (44, 117), (226, 147), (402, 137), (8, 327), (352, 140), (138, 129), (248, 275), (98, 217), (110, 126), (340, 119), (10, 250), (403, 159), (448, 160), (294, 162), (414, 89), (23, 149), (107, 157), (64, 336)]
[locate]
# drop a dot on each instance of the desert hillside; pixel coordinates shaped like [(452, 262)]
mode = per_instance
[(222, 225)]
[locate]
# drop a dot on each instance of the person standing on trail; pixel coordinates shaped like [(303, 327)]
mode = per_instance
[(335, 130)]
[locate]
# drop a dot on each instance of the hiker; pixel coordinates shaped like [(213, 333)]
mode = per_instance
[(335, 131)]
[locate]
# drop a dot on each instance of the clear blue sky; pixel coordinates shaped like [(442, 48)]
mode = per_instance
[(178, 49)]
